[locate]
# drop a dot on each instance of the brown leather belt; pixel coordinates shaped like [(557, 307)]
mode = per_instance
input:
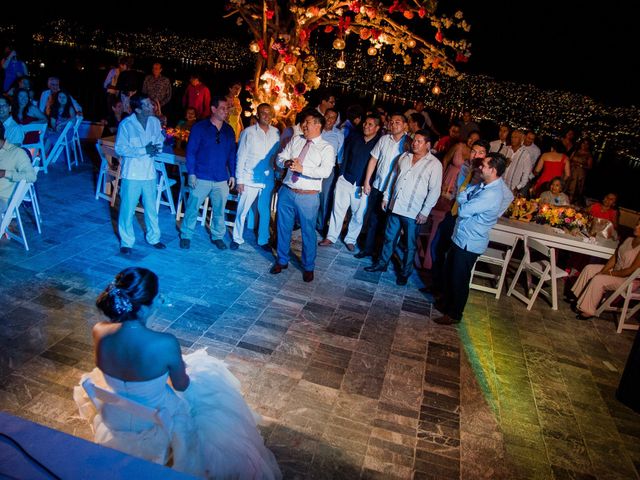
[(302, 192)]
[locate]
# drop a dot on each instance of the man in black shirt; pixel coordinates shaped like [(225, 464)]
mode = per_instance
[(348, 192)]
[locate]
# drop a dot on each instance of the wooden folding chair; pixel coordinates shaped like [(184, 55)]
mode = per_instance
[(545, 270), (499, 257), (629, 290)]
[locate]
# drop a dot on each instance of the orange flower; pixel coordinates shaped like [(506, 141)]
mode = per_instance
[(408, 14)]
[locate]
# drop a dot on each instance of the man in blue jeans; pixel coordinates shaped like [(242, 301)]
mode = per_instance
[(480, 206), (211, 165), (308, 159), (413, 189)]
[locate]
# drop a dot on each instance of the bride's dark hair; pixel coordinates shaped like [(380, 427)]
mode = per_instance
[(132, 288)]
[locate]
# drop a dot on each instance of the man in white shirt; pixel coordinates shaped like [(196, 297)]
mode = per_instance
[(520, 166), (255, 175), (309, 159), (532, 148), (138, 141), (335, 137), (418, 107), (409, 197), (54, 87), (502, 143), (12, 131), (382, 162)]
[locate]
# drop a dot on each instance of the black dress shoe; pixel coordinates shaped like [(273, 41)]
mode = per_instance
[(376, 267), (307, 276), (446, 320), (362, 254), (401, 280), (277, 268), (220, 244), (125, 250), (234, 246), (266, 247), (159, 246), (185, 243)]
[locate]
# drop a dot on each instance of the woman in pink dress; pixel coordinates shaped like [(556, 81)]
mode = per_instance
[(594, 280), (551, 164)]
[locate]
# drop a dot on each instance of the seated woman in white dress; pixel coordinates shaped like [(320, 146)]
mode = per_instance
[(212, 432), (594, 280)]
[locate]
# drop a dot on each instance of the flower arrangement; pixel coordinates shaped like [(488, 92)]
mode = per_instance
[(522, 209), (177, 134), (563, 217)]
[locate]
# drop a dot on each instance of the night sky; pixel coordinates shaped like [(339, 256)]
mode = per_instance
[(558, 44)]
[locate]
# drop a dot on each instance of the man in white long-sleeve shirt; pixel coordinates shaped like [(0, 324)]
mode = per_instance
[(255, 174), (138, 141), (520, 164), (309, 159), (15, 165), (413, 190)]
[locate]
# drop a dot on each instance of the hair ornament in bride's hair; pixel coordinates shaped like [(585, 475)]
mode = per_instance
[(121, 301)]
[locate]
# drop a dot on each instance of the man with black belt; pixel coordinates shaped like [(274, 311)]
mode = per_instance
[(308, 159)]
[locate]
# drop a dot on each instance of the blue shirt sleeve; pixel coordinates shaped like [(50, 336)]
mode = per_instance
[(192, 148)]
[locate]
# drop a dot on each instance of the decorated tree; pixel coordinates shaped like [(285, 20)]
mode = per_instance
[(286, 69)]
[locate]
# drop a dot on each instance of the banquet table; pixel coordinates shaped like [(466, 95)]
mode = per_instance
[(602, 248)]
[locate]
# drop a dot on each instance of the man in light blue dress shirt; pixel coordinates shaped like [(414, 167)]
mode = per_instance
[(480, 206)]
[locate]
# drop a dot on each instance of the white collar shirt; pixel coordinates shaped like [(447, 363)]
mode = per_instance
[(317, 164), (256, 153), (534, 152), (386, 152), (131, 141), (498, 146), (13, 132), (335, 137), (414, 188), (519, 170)]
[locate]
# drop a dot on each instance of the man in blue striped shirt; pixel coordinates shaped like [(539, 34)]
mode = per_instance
[(480, 206)]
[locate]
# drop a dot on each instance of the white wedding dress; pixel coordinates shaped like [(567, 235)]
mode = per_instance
[(212, 433)]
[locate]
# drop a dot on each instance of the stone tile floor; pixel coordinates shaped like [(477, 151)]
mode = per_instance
[(353, 377)]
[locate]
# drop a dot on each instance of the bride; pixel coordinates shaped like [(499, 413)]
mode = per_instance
[(212, 432)]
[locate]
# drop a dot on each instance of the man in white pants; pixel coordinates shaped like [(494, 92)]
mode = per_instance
[(348, 192), (257, 149)]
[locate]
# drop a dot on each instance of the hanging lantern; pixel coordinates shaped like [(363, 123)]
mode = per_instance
[(387, 77), (290, 69), (341, 63), (411, 43), (339, 44), (372, 51), (254, 47), (422, 79), (436, 90)]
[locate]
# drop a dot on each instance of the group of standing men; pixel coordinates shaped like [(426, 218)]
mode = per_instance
[(393, 178)]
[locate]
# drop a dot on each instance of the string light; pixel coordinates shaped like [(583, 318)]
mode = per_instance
[(341, 63), (339, 44), (387, 77), (411, 43), (372, 51), (254, 47), (422, 79), (436, 90)]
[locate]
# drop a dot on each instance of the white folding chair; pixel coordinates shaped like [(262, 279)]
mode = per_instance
[(164, 197), (101, 397), (37, 147), (76, 145), (629, 290), (498, 257), (109, 175), (32, 197), (202, 216), (61, 146), (13, 211), (545, 270)]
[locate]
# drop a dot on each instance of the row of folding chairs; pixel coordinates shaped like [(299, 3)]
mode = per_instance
[(68, 143), (539, 262)]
